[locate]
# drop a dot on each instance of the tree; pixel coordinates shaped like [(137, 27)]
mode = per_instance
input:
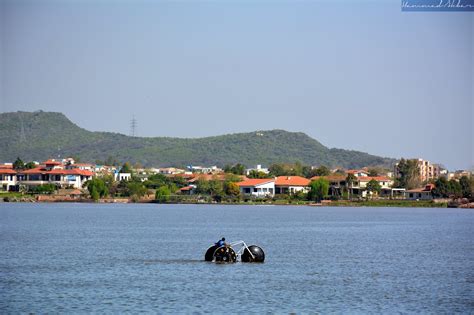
[(126, 168), (97, 188), (322, 171), (232, 178), (202, 186), (441, 189), (466, 186), (136, 189), (373, 186), (455, 189), (373, 172), (232, 190), (319, 189), (18, 164), (257, 174), (277, 169), (298, 169), (237, 169), (408, 174), (216, 189), (350, 179), (163, 194), (30, 165)]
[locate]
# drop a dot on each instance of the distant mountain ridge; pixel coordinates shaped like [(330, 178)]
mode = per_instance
[(41, 135)]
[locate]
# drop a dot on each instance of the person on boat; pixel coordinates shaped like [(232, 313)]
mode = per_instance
[(221, 242)]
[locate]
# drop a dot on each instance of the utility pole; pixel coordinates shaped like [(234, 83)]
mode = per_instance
[(133, 127)]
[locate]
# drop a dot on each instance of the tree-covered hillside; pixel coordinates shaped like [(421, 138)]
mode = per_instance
[(41, 135)]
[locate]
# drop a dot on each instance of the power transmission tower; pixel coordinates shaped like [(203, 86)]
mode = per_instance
[(133, 126)]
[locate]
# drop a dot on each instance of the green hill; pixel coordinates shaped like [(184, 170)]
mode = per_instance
[(41, 135)]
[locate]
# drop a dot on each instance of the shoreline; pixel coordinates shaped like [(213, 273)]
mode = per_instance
[(340, 203)]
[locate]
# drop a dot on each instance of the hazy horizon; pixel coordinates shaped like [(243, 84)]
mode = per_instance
[(361, 76)]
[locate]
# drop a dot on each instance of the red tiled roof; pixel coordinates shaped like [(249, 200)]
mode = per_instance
[(42, 170), (74, 171), (187, 188), (291, 181), (36, 170), (7, 171), (51, 162), (255, 181), (4, 166)]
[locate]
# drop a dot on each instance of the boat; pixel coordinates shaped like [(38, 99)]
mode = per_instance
[(234, 252)]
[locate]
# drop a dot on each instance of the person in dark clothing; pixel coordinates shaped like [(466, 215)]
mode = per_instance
[(221, 242)]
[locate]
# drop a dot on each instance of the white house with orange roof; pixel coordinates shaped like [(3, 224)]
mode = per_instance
[(258, 187), (7, 179), (53, 173), (291, 184), (420, 193), (359, 186)]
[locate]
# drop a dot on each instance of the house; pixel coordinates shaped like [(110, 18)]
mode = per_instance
[(7, 179), (420, 193), (123, 176), (291, 184), (82, 166), (188, 190), (359, 186), (51, 174), (257, 187)]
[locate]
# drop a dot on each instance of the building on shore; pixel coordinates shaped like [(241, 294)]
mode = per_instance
[(420, 193), (426, 170), (257, 187)]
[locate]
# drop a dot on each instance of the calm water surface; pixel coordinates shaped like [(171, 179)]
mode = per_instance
[(130, 258)]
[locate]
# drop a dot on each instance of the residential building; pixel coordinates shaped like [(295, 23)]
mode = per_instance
[(7, 179), (52, 175), (291, 184), (420, 193), (123, 176), (359, 186), (257, 187)]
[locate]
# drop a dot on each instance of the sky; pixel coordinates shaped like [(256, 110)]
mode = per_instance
[(359, 75)]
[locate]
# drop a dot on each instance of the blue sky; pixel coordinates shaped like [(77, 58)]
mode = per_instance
[(355, 75)]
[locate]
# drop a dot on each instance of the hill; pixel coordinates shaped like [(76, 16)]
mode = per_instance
[(41, 135)]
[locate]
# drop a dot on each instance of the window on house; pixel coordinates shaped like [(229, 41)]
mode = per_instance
[(247, 190)]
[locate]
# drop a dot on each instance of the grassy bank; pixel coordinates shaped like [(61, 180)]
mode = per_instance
[(389, 203)]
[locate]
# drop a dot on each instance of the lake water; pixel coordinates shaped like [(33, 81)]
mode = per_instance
[(130, 258)]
